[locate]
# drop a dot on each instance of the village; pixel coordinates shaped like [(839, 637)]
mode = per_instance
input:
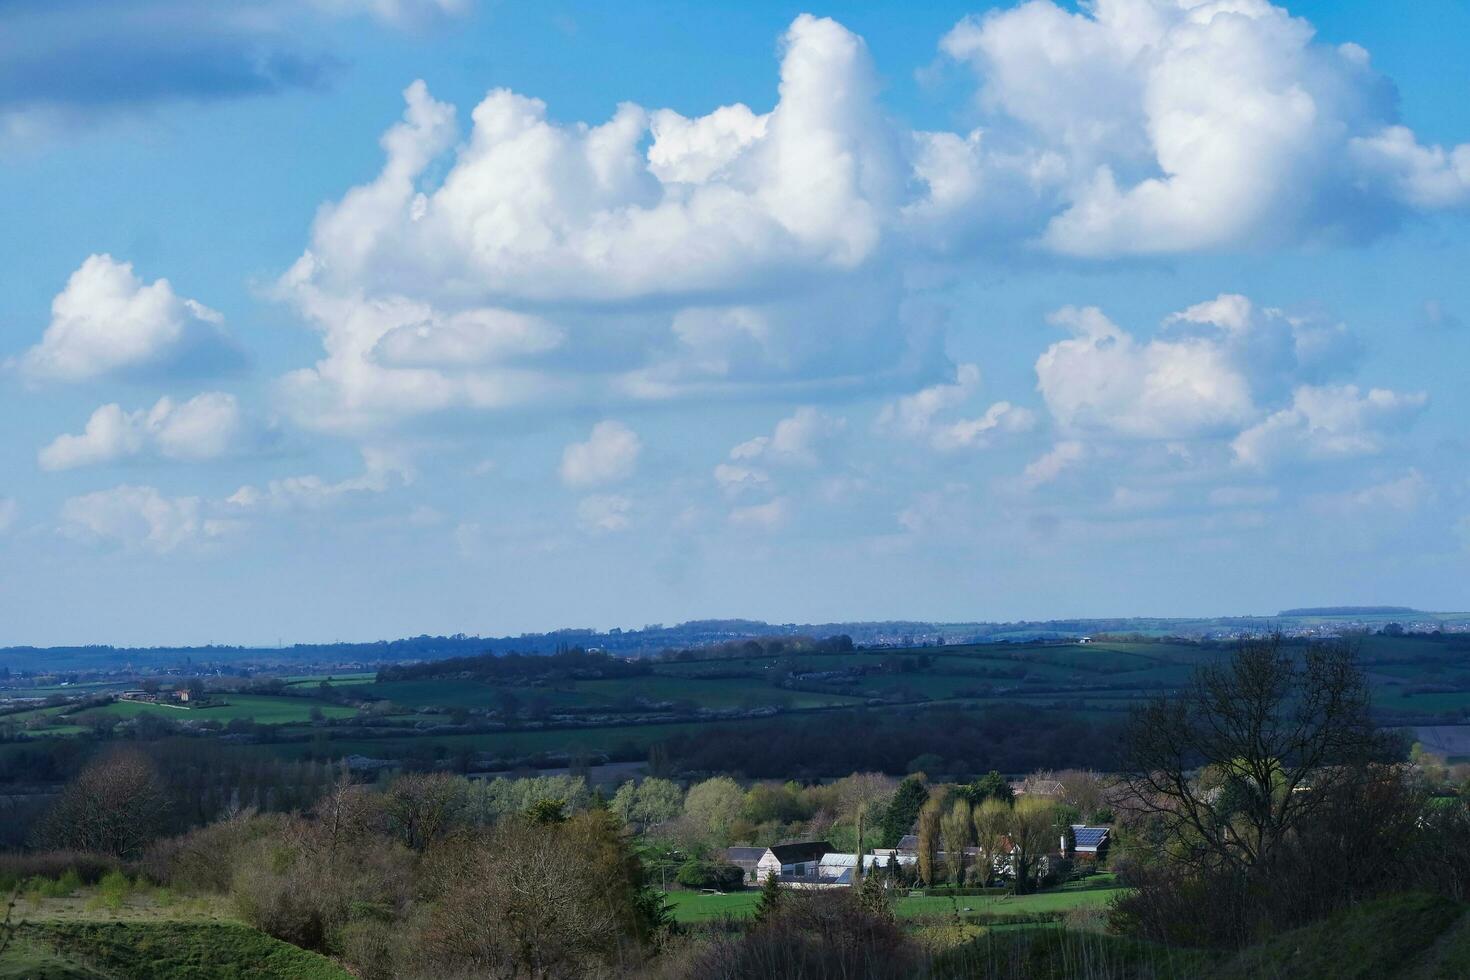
[(817, 865)]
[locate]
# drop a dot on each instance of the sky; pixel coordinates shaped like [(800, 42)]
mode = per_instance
[(353, 319)]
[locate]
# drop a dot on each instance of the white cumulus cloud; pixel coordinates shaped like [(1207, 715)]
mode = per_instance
[(1331, 422), (796, 439), (1053, 463), (604, 513), (609, 455), (107, 321), (206, 426), (382, 470), (1211, 371), (140, 517), (1181, 125), (917, 415)]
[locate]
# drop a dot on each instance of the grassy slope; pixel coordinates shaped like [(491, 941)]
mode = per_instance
[(178, 951), (1407, 937), (1404, 936), (29, 958)]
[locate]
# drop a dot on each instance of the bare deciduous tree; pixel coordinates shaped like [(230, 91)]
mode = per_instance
[(1281, 735), (422, 807), (115, 806)]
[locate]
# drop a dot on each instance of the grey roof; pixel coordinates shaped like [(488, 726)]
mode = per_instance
[(750, 855), (801, 851), (908, 842), (839, 860)]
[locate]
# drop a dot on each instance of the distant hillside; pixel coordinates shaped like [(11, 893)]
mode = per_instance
[(1352, 611), (698, 634)]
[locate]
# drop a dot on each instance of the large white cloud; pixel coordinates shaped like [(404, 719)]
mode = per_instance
[(645, 257), (206, 426), (1210, 372), (609, 455), (107, 321), (1329, 422), (1179, 125), (9, 511), (655, 255)]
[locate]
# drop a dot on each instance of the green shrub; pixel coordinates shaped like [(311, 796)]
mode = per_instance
[(114, 889), (710, 874), (63, 886)]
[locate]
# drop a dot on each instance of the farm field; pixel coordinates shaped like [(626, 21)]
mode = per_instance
[(297, 680), (1094, 683), (503, 744), (261, 708)]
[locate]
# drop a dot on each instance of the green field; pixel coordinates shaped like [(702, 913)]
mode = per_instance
[(689, 906), (1094, 682), (262, 708), (359, 677)]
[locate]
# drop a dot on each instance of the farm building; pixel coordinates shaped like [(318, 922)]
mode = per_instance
[(837, 867), (747, 859), (795, 860)]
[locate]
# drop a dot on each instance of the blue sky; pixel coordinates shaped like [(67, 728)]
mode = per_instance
[(362, 318)]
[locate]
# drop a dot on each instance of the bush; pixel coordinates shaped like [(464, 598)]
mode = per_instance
[(296, 887), (373, 947), (86, 866), (204, 860), (711, 874), (549, 901), (113, 889), (63, 886), (815, 936)]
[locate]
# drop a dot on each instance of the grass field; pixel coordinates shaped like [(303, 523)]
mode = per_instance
[(690, 906), (360, 677), (262, 708)]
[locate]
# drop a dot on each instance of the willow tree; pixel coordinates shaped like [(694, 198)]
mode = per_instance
[(929, 833), (956, 827)]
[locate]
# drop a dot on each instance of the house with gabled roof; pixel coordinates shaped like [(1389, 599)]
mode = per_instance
[(1088, 843), (796, 860), (747, 859)]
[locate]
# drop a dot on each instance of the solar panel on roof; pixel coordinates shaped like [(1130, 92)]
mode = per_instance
[(1089, 836)]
